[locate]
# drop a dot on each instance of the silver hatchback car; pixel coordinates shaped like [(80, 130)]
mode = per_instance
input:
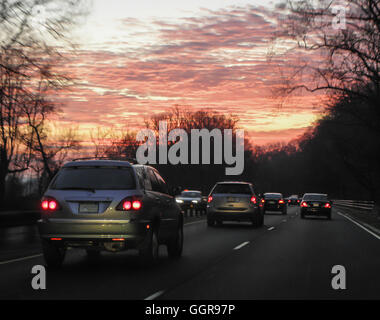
[(109, 205)]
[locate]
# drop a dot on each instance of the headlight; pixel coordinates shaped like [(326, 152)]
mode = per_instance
[(179, 200), (194, 201)]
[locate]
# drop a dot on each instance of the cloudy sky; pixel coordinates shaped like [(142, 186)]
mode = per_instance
[(142, 57)]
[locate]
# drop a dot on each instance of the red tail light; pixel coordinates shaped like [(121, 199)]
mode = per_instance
[(209, 199), (262, 200), (129, 203), (49, 204), (281, 201), (289, 201), (327, 205), (253, 199), (304, 204), (298, 201), (136, 205)]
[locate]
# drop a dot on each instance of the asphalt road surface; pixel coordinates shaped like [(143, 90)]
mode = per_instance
[(288, 258)]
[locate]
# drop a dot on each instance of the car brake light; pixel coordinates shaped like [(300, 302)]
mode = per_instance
[(327, 205), (281, 201), (136, 204), (45, 205), (262, 200), (254, 199), (129, 203), (209, 199), (49, 204), (303, 204)]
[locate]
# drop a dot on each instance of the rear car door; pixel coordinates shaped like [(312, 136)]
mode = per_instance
[(170, 208), (159, 203)]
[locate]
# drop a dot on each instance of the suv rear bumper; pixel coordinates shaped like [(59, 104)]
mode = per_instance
[(133, 233), (230, 215)]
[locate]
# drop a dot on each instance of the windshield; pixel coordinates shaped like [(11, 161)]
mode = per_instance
[(315, 197), (233, 188), (191, 194), (94, 178)]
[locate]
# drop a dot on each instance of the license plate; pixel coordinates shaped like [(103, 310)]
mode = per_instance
[(230, 199), (315, 204), (272, 202), (88, 207)]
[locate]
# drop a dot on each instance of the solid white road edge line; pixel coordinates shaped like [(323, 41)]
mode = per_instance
[(20, 259), (359, 225)]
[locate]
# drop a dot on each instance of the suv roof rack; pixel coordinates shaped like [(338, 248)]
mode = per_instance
[(132, 160)]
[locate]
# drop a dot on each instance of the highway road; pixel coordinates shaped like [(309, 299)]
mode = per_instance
[(288, 258)]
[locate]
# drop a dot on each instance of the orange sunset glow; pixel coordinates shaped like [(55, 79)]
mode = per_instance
[(137, 60)]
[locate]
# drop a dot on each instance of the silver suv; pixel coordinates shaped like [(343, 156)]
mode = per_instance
[(109, 205), (233, 201)]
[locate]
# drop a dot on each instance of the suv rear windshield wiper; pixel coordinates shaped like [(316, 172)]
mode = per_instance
[(77, 188)]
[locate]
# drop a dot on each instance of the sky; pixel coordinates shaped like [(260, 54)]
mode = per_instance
[(138, 58)]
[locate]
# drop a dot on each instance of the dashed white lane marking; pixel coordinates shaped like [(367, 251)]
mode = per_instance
[(21, 259), (284, 220), (270, 229), (241, 245), (359, 225), (155, 295)]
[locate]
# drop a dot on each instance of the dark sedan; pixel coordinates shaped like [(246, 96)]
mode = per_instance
[(273, 202), (293, 200), (316, 204)]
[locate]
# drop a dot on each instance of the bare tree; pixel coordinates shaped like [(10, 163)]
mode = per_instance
[(30, 32), (349, 51)]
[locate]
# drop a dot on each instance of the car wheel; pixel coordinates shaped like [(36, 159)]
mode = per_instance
[(175, 245), (210, 222), (53, 254), (257, 221), (149, 251)]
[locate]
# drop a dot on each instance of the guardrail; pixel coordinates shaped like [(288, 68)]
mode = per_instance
[(356, 204)]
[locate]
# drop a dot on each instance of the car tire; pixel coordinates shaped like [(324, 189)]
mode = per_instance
[(149, 251), (53, 254), (257, 221), (210, 222), (175, 245)]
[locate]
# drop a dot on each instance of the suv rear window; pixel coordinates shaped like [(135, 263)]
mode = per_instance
[(97, 178), (272, 196), (232, 188), (315, 197), (190, 194)]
